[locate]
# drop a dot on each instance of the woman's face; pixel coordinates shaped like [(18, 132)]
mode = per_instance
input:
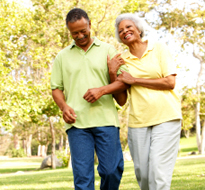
[(128, 32)]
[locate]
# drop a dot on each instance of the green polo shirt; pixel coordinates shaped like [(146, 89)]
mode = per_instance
[(75, 71)]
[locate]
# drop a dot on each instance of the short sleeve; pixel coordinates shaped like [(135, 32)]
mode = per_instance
[(112, 53), (123, 68), (56, 75), (167, 63)]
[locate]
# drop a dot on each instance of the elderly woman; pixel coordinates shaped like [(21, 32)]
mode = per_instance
[(155, 114)]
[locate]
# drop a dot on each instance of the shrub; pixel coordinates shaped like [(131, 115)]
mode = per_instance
[(62, 156), (16, 153)]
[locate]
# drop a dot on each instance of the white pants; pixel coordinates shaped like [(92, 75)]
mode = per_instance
[(154, 152)]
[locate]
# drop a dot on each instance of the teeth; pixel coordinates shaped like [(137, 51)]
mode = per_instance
[(127, 36)]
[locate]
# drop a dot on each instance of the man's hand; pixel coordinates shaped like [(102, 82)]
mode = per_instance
[(115, 63), (93, 94), (69, 115)]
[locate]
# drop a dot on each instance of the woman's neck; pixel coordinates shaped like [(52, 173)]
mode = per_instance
[(138, 49)]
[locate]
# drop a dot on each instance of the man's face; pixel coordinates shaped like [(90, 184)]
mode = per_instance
[(80, 32)]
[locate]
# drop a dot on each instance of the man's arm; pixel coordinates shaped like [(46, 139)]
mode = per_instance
[(94, 94), (117, 88), (69, 115)]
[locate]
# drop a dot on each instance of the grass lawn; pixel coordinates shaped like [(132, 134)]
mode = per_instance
[(187, 146), (189, 174), (23, 173)]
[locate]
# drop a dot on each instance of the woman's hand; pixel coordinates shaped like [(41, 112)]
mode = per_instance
[(126, 78), (115, 63)]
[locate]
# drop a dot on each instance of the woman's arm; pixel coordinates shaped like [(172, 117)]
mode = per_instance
[(166, 83), (113, 66)]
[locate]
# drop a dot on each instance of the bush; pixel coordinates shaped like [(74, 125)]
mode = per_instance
[(63, 157), (16, 153)]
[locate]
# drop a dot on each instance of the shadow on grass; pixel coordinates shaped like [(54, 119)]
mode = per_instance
[(59, 179), (191, 149), (7, 171)]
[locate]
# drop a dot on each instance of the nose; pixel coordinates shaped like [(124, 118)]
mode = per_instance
[(125, 30), (80, 35)]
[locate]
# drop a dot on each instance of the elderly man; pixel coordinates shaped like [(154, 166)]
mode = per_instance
[(89, 112)]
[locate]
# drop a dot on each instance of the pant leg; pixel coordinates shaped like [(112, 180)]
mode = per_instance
[(163, 153), (139, 145), (82, 146), (110, 157)]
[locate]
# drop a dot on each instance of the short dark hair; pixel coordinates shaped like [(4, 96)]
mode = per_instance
[(76, 14)]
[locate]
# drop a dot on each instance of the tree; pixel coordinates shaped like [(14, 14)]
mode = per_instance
[(188, 113), (188, 26), (30, 39)]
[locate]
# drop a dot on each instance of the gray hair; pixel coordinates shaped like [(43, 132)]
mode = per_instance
[(134, 18)]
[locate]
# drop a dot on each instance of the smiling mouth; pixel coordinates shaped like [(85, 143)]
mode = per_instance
[(81, 39), (127, 36)]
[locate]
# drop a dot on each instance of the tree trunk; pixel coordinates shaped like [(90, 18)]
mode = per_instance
[(61, 143), (68, 152), (39, 150), (46, 148), (203, 138), (66, 145), (198, 126), (53, 144), (24, 145), (28, 145), (187, 133), (198, 91), (16, 142), (39, 146), (43, 150)]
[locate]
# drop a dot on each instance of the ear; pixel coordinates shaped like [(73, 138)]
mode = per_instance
[(139, 31), (90, 24)]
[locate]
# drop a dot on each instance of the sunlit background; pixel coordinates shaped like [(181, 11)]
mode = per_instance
[(32, 32)]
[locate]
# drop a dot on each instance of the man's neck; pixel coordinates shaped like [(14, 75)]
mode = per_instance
[(85, 48)]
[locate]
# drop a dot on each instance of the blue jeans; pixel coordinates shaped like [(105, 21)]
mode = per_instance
[(105, 141)]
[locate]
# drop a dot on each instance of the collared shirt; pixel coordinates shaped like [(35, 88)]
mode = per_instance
[(149, 107), (74, 72)]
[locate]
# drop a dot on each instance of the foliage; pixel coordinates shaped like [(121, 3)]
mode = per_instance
[(16, 153), (32, 36), (186, 22), (188, 107), (62, 156), (30, 39), (123, 117)]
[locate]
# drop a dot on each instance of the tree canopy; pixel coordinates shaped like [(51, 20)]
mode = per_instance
[(31, 36)]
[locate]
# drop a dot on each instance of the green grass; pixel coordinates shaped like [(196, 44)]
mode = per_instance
[(189, 174), (57, 179), (19, 164), (187, 146), (23, 173)]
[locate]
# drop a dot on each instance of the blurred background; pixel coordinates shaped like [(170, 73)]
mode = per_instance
[(32, 32)]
